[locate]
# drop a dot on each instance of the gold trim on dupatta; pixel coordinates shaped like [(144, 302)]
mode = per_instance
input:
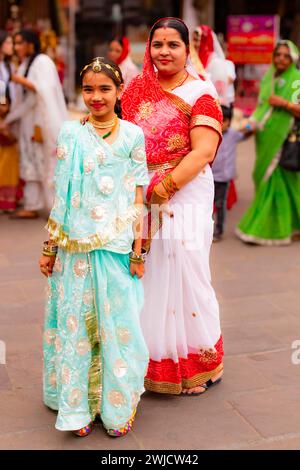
[(92, 242), (179, 103)]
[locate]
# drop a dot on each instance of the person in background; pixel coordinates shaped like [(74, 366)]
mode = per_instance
[(118, 52), (274, 215), (212, 57), (9, 157), (224, 169), (231, 79), (40, 110)]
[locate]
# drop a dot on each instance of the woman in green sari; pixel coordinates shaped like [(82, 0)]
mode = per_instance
[(274, 215)]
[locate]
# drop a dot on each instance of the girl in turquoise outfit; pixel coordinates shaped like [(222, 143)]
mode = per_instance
[(95, 357)]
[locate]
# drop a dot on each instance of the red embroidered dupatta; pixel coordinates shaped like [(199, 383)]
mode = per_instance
[(166, 120)]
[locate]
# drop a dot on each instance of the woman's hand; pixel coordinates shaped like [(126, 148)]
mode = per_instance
[(277, 101), (160, 198), (137, 269), (46, 265)]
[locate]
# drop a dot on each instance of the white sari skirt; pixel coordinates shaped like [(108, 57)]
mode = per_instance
[(180, 318)]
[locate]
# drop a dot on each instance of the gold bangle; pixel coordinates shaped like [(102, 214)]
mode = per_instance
[(136, 261), (48, 253), (159, 194)]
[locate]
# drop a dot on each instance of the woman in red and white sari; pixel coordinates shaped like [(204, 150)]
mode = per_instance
[(181, 120)]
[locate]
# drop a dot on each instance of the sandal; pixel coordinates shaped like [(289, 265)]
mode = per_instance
[(121, 432), (85, 431), (206, 386)]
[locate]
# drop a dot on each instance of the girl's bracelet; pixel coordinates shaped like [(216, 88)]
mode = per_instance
[(48, 253), (138, 259), (49, 249)]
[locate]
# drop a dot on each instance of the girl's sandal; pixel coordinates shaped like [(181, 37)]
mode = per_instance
[(121, 432), (85, 431)]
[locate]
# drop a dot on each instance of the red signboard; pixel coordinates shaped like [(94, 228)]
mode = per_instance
[(251, 39)]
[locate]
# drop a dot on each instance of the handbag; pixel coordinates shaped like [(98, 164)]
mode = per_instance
[(290, 153)]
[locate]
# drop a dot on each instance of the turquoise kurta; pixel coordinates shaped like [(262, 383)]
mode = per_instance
[(95, 357)]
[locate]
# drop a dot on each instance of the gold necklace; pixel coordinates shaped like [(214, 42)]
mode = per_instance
[(179, 83), (103, 125), (111, 131)]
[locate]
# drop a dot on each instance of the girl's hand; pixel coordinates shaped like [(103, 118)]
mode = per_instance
[(46, 265), (84, 120), (137, 269)]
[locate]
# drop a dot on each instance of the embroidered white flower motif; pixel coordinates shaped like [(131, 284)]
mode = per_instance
[(75, 397), (89, 165), (100, 154), (50, 335), (72, 323), (98, 212), (88, 297), (52, 379), (129, 183), (116, 398), (120, 368), (61, 152), (83, 347), (80, 268), (65, 375), (138, 154), (75, 200), (106, 185)]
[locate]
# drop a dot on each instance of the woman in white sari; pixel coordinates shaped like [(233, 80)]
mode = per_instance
[(40, 108), (181, 119)]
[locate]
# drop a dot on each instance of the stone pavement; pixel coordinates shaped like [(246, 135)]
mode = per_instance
[(257, 406)]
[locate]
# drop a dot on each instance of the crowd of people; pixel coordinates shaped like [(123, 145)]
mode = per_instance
[(137, 180)]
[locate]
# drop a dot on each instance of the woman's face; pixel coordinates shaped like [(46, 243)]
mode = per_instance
[(7, 48), (23, 48), (282, 58), (196, 40), (100, 94), (114, 51), (168, 51)]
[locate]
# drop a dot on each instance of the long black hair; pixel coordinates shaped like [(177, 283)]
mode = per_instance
[(108, 68), (174, 23), (30, 36)]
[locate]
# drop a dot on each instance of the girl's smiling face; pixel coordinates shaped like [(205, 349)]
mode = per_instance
[(100, 94)]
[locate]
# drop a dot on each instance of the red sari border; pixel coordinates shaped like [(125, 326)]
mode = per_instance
[(167, 376)]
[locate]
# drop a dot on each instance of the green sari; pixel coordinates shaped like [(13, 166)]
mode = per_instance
[(274, 214)]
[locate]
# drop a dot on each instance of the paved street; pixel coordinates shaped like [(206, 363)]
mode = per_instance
[(257, 406)]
